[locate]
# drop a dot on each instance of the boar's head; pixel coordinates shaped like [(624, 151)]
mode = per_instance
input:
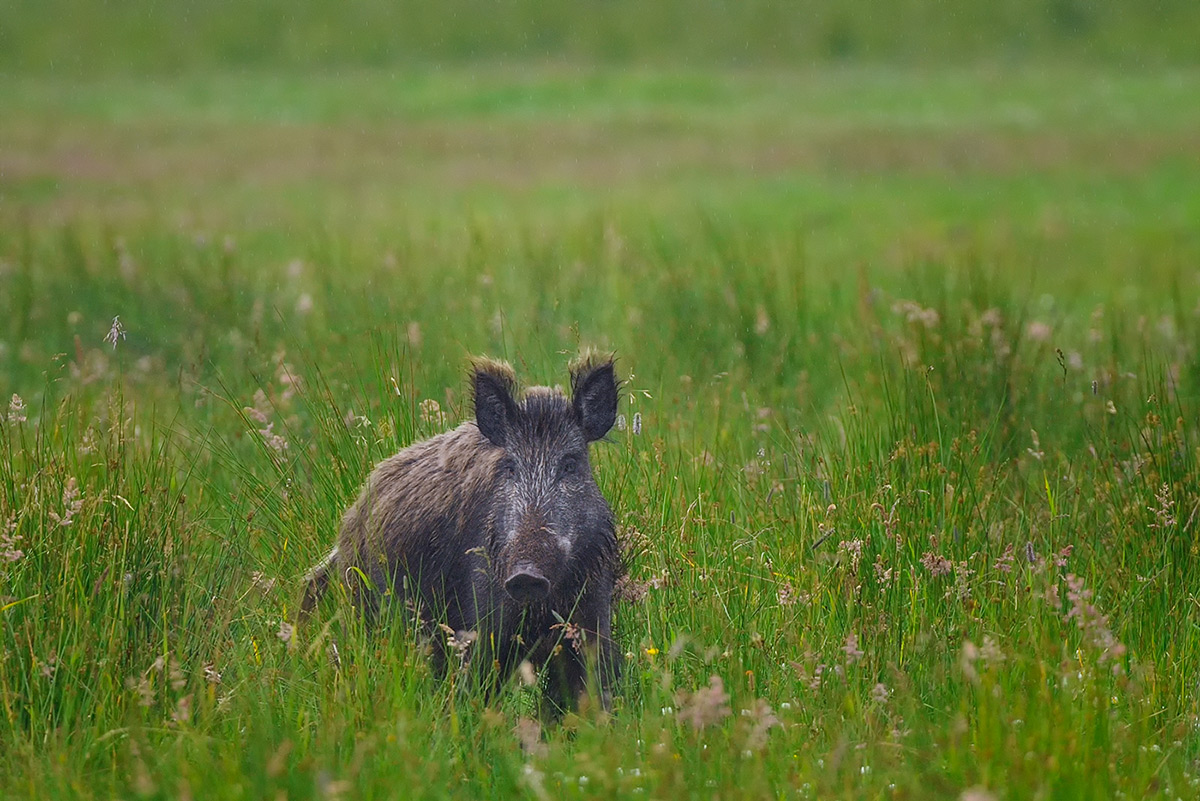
[(549, 519)]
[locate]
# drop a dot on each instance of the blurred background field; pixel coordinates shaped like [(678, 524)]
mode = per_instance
[(365, 191), (908, 299), (77, 37)]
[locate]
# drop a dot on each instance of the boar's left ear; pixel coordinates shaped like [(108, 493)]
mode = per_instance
[(594, 396), (495, 409)]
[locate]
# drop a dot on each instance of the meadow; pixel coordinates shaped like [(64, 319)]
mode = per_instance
[(908, 471)]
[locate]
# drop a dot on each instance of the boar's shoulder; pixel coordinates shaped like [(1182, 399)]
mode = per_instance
[(432, 483)]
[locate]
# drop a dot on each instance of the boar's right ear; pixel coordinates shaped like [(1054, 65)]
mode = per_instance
[(495, 409), (594, 394)]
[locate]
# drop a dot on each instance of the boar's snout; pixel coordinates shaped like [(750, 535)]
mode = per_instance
[(526, 584)]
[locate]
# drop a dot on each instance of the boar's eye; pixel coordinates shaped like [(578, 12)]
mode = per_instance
[(569, 467), (507, 467)]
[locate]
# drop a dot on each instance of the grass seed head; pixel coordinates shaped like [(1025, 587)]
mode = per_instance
[(9, 552), (16, 409), (705, 707), (72, 502), (936, 564), (115, 332), (851, 649)]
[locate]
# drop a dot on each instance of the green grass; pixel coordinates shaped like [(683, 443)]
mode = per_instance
[(890, 334)]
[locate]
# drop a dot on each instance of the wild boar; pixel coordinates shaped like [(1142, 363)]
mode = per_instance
[(498, 531)]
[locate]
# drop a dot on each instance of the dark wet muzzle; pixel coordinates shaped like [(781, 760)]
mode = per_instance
[(526, 584)]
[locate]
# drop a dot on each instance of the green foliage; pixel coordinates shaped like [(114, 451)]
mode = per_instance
[(915, 472)]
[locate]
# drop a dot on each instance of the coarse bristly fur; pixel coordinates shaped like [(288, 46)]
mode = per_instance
[(498, 528)]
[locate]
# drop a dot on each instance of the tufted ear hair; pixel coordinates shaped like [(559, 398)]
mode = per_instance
[(594, 390), (494, 385)]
